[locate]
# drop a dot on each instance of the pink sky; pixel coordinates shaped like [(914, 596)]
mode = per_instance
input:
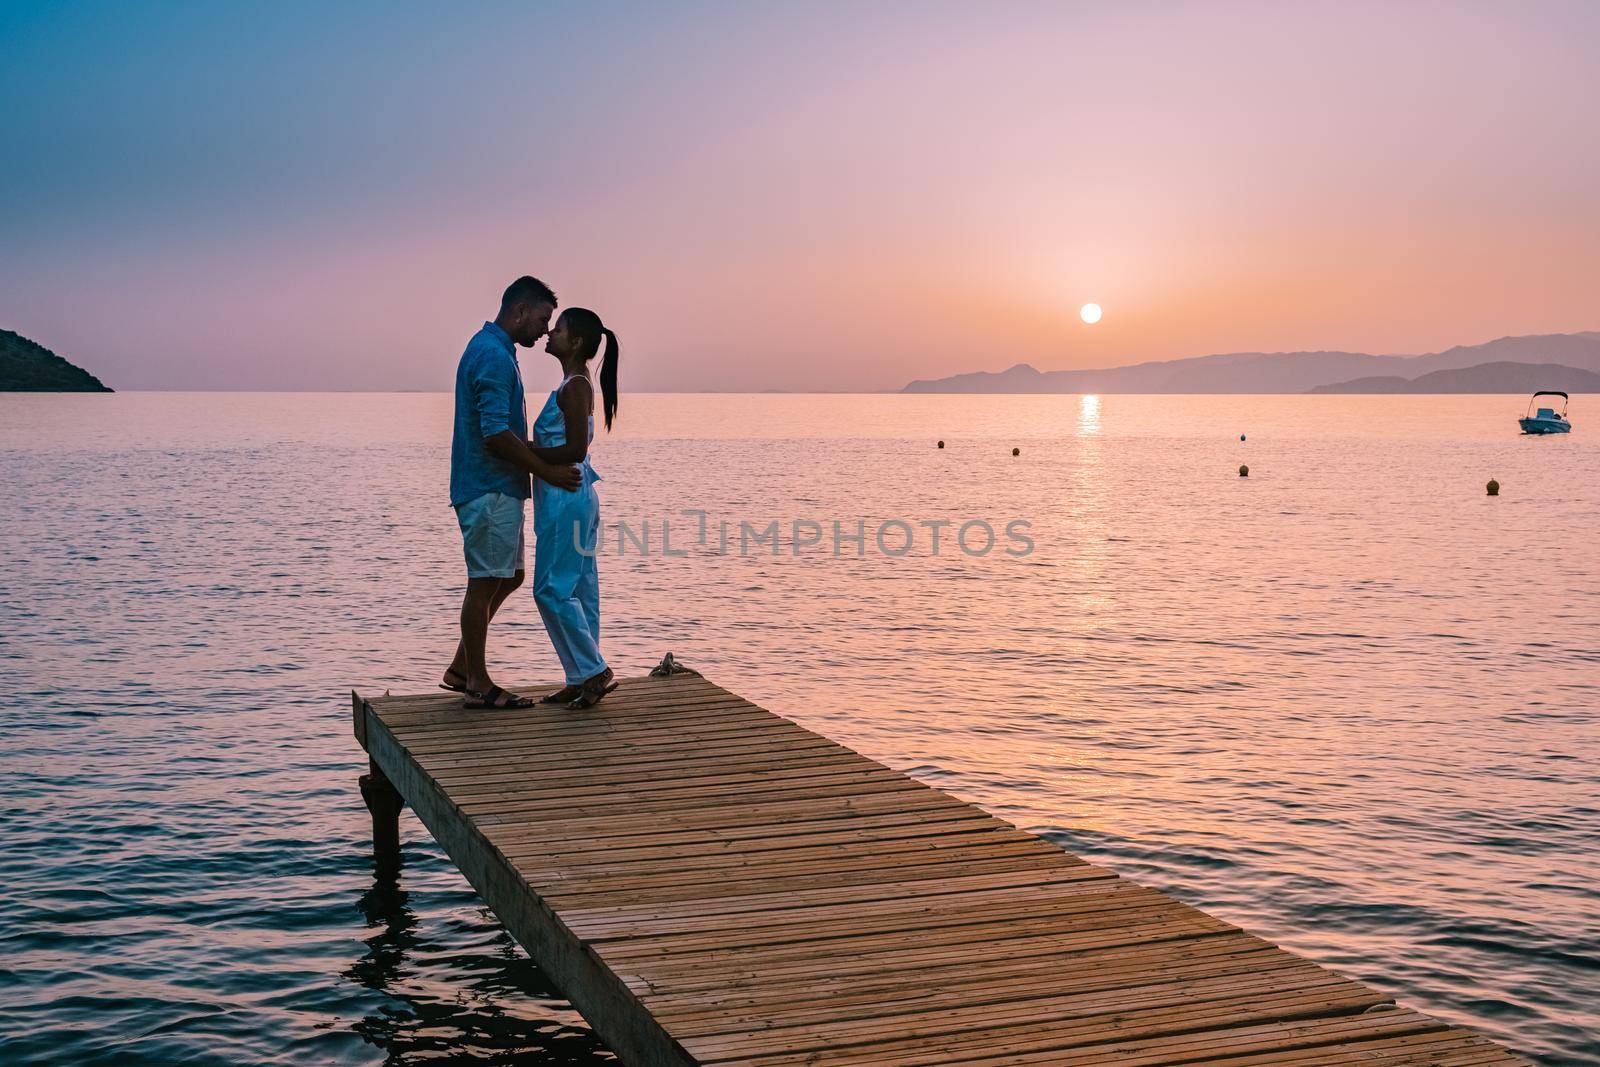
[(819, 197)]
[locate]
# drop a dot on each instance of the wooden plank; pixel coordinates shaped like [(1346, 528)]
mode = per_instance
[(711, 722), (869, 991), (618, 755), (711, 883), (710, 845), (642, 834), (763, 792), (984, 839), (640, 889), (547, 726), (949, 1037), (1430, 1048), (860, 866), (532, 727), (743, 972), (793, 898), (608, 823), (978, 989), (656, 778), (1316, 1041), (1132, 905), (873, 918)]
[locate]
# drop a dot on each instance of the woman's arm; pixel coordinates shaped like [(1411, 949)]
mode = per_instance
[(577, 400)]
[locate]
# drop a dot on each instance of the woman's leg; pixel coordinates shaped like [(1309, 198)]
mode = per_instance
[(566, 590), (585, 637), (589, 596), (589, 586), (546, 594)]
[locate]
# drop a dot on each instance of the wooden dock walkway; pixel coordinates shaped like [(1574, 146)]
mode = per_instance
[(710, 883)]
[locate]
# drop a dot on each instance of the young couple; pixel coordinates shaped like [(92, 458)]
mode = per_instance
[(492, 457)]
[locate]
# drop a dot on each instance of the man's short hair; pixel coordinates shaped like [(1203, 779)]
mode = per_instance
[(527, 290)]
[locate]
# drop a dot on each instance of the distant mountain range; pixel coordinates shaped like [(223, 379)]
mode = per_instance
[(1561, 354), (1484, 378), (29, 367)]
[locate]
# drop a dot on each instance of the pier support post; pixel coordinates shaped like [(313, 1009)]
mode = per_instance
[(384, 802)]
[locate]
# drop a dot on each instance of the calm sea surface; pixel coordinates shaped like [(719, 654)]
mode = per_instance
[(1350, 702)]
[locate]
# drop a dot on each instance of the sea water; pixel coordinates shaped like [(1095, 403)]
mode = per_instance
[(1349, 702)]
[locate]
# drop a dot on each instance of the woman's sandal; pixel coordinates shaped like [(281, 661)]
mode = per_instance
[(561, 696), (448, 688), (489, 700), (592, 690)]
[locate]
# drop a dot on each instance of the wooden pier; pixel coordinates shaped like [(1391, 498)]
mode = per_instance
[(710, 883)]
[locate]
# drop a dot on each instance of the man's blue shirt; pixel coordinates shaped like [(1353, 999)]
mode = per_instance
[(489, 400)]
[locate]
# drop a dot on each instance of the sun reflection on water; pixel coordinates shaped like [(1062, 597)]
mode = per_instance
[(1088, 415)]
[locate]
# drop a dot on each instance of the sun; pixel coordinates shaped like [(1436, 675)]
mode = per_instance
[(1089, 313)]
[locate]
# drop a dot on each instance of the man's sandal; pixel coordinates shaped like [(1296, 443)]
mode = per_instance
[(561, 696), (490, 700)]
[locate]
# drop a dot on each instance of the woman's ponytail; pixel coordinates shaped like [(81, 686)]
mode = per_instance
[(591, 331), (608, 377)]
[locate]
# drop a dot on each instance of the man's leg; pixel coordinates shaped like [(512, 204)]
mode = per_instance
[(476, 609), (492, 537), (456, 673)]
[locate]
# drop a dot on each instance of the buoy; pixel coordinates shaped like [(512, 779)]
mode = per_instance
[(1016, 451), (1244, 471), (1494, 487), (941, 444), (1241, 437)]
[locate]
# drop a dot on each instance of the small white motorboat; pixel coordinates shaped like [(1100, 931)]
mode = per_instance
[(1546, 420)]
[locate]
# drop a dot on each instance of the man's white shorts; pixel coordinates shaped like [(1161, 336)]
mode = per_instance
[(491, 533)]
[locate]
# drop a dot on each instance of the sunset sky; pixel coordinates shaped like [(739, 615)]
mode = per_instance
[(810, 197)]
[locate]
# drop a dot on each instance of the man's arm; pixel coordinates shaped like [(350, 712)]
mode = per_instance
[(491, 393), (514, 450)]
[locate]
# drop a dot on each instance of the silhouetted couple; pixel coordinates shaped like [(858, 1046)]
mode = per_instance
[(496, 465)]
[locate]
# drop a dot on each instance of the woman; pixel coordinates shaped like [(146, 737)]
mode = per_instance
[(566, 582)]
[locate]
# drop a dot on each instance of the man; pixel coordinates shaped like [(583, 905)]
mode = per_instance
[(489, 466)]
